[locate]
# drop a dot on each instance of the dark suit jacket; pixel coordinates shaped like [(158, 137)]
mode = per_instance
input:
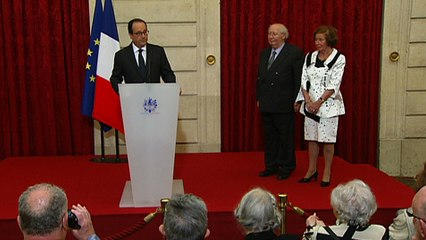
[(277, 87), (126, 68)]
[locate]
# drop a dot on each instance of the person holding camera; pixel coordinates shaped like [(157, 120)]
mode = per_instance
[(43, 214)]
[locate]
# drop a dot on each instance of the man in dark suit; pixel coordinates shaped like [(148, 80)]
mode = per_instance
[(140, 62), (278, 82)]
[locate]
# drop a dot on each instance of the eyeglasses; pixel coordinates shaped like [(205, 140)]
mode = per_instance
[(410, 214), (145, 33), (273, 34)]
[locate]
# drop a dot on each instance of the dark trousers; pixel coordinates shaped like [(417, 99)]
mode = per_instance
[(279, 129)]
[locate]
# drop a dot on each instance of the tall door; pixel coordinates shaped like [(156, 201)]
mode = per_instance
[(402, 135), (189, 30)]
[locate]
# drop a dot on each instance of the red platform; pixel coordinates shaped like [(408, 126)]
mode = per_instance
[(221, 179)]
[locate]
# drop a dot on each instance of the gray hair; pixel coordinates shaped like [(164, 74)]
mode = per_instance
[(354, 202), (257, 211), (41, 215), (185, 218), (283, 29)]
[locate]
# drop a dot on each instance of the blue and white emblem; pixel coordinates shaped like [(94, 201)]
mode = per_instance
[(150, 105)]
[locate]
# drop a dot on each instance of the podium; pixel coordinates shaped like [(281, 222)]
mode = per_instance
[(150, 114)]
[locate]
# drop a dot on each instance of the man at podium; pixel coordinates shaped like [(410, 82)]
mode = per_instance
[(140, 62), (150, 114)]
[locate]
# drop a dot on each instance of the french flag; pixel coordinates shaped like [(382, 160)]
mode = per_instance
[(107, 107)]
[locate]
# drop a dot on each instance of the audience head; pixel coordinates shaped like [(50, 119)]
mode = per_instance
[(353, 203), (42, 211), (185, 218), (330, 33), (421, 178), (419, 213), (258, 211)]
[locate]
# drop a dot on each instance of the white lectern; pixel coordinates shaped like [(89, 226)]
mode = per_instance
[(150, 114)]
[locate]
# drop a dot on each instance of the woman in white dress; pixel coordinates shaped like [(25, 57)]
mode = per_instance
[(322, 100)]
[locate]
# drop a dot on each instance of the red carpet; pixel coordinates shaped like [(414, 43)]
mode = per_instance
[(219, 178)]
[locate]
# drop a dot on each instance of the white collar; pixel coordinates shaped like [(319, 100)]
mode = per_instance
[(136, 49)]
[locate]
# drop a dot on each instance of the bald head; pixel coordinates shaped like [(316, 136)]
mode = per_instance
[(419, 203), (419, 210), (41, 209), (38, 200)]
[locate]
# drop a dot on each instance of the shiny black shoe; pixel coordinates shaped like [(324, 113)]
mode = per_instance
[(268, 172), (284, 174), (306, 180), (325, 184)]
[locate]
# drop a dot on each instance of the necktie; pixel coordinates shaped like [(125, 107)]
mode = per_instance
[(142, 66), (271, 59)]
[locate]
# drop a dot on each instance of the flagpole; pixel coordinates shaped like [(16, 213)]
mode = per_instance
[(117, 150), (103, 158)]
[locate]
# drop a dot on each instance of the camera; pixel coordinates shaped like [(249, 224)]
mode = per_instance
[(72, 220)]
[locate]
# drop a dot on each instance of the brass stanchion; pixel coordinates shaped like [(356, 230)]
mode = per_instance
[(161, 209), (282, 207), (140, 224)]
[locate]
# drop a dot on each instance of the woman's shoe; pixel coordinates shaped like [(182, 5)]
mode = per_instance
[(325, 184), (306, 180)]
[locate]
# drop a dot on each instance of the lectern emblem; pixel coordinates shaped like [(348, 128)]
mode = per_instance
[(150, 105)]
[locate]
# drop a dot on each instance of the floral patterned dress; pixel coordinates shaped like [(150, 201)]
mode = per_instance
[(321, 79)]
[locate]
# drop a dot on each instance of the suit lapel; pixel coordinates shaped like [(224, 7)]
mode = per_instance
[(265, 59), (148, 53), (134, 62), (131, 55), (282, 55), (280, 58)]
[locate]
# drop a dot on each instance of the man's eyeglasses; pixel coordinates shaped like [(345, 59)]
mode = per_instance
[(410, 214), (144, 33), (273, 34)]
